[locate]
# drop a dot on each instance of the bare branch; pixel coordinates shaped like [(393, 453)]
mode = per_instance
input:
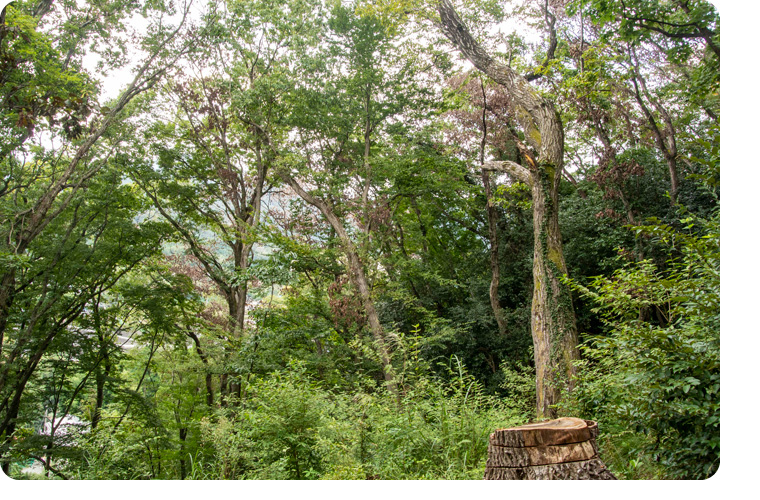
[(511, 168)]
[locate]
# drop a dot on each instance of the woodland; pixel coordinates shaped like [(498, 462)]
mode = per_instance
[(349, 239)]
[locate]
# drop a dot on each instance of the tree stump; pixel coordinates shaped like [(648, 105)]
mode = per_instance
[(564, 448)]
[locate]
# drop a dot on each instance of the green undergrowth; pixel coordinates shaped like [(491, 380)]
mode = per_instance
[(291, 427)]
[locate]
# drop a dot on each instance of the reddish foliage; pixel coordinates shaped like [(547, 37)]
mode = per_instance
[(612, 173), (468, 123), (215, 312), (346, 308)]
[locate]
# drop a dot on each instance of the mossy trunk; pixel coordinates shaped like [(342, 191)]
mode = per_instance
[(555, 337), (553, 326)]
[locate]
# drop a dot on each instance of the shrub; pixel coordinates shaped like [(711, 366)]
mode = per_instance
[(655, 379)]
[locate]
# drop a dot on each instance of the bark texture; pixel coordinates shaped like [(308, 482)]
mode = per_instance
[(505, 456), (586, 470), (553, 327), (564, 448)]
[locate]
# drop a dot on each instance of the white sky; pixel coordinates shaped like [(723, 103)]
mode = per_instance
[(115, 80)]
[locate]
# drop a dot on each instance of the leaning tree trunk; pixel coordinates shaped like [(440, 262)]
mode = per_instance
[(564, 448), (553, 327), (358, 278)]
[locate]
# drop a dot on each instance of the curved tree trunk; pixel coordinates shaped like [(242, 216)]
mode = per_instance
[(492, 215), (493, 238), (202, 355), (553, 326), (665, 135), (358, 277)]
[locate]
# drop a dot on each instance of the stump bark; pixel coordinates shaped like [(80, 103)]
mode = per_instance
[(564, 448)]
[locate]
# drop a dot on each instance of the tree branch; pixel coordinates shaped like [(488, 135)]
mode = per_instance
[(536, 115), (551, 20), (511, 168)]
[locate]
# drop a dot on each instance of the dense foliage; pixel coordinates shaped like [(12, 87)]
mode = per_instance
[(279, 251), (674, 364)]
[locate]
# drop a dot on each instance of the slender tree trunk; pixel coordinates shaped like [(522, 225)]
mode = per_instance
[(553, 325), (492, 216), (665, 136), (493, 237), (236, 326), (358, 277), (100, 374), (182, 438), (204, 360), (100, 382)]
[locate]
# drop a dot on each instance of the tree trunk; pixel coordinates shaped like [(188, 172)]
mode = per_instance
[(237, 307), (101, 375), (493, 237), (555, 338), (100, 382), (665, 136), (553, 326), (182, 462), (492, 215), (9, 428), (358, 277), (204, 359)]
